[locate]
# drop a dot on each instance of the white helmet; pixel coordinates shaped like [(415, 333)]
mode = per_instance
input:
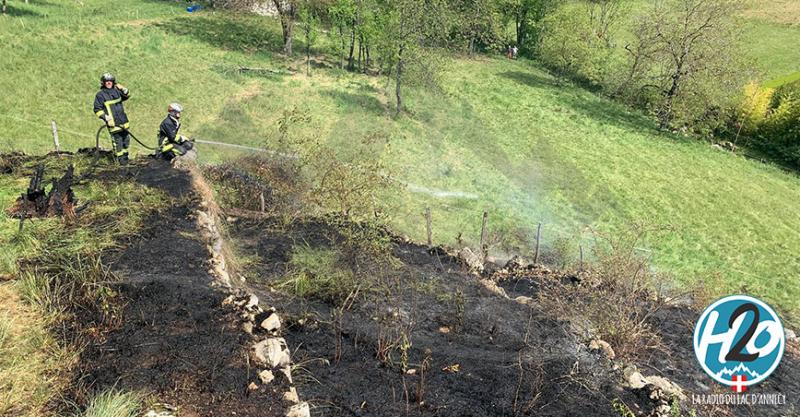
[(174, 109)]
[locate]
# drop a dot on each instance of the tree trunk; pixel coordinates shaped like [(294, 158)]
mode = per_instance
[(360, 52), (665, 115), (286, 10), (399, 78), (287, 25), (4, 6), (341, 37), (352, 47), (308, 53)]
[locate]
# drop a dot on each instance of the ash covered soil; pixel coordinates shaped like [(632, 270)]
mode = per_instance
[(175, 341), (468, 351), (482, 355)]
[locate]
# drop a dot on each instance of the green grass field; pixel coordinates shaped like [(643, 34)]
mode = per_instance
[(506, 135)]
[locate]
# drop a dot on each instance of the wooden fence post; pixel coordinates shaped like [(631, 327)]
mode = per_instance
[(538, 237), (428, 225), (484, 243), (580, 266), (55, 136), (24, 213), (263, 203)]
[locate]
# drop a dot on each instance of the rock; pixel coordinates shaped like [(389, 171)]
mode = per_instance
[(637, 381), (252, 386), (493, 287), (791, 336), (286, 371), (228, 300), (670, 388), (247, 327), (444, 330), (291, 396), (153, 413), (271, 323), (252, 302), (266, 376), (515, 263), (663, 410), (471, 259), (185, 161), (299, 410), (272, 352), (528, 301), (602, 346), (702, 386)]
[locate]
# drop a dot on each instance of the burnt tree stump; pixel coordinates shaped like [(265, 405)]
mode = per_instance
[(35, 202)]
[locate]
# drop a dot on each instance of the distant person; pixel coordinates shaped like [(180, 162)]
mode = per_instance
[(108, 107), (514, 52), (170, 142)]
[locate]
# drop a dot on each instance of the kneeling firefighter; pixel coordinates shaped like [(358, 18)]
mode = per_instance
[(108, 107), (170, 142)]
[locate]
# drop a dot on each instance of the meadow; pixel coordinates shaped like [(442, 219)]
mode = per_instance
[(501, 136)]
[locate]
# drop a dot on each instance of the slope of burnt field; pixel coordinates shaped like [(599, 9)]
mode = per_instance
[(175, 342), (461, 349)]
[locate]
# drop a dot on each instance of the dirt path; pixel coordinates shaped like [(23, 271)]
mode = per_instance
[(175, 342)]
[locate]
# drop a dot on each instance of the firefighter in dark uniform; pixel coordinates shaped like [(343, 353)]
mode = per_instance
[(170, 142), (108, 107)]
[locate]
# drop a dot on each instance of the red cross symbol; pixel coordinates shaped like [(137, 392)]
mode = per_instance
[(739, 385)]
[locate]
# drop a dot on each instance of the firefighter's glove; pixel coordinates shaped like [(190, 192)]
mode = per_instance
[(122, 89)]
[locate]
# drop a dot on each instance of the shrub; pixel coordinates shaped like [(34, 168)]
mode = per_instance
[(779, 134), (571, 47), (755, 107)]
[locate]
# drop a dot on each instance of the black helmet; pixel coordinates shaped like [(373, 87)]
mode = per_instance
[(107, 77)]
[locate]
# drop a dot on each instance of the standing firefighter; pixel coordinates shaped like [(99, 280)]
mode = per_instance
[(170, 142), (108, 107)]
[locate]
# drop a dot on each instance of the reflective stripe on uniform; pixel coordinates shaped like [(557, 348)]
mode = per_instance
[(115, 129), (108, 107), (122, 152)]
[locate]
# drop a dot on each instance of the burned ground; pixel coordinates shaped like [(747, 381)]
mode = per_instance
[(674, 356), (415, 334), (482, 354), (175, 341)]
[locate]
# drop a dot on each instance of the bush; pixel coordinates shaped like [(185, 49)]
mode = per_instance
[(571, 47), (755, 107), (779, 133)]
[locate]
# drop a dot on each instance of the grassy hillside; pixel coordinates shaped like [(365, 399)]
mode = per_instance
[(502, 136)]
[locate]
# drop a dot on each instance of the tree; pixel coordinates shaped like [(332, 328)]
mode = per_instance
[(527, 16), (5, 6), (477, 22), (310, 21), (343, 17), (287, 11), (411, 27), (604, 16), (687, 51), (570, 46)]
